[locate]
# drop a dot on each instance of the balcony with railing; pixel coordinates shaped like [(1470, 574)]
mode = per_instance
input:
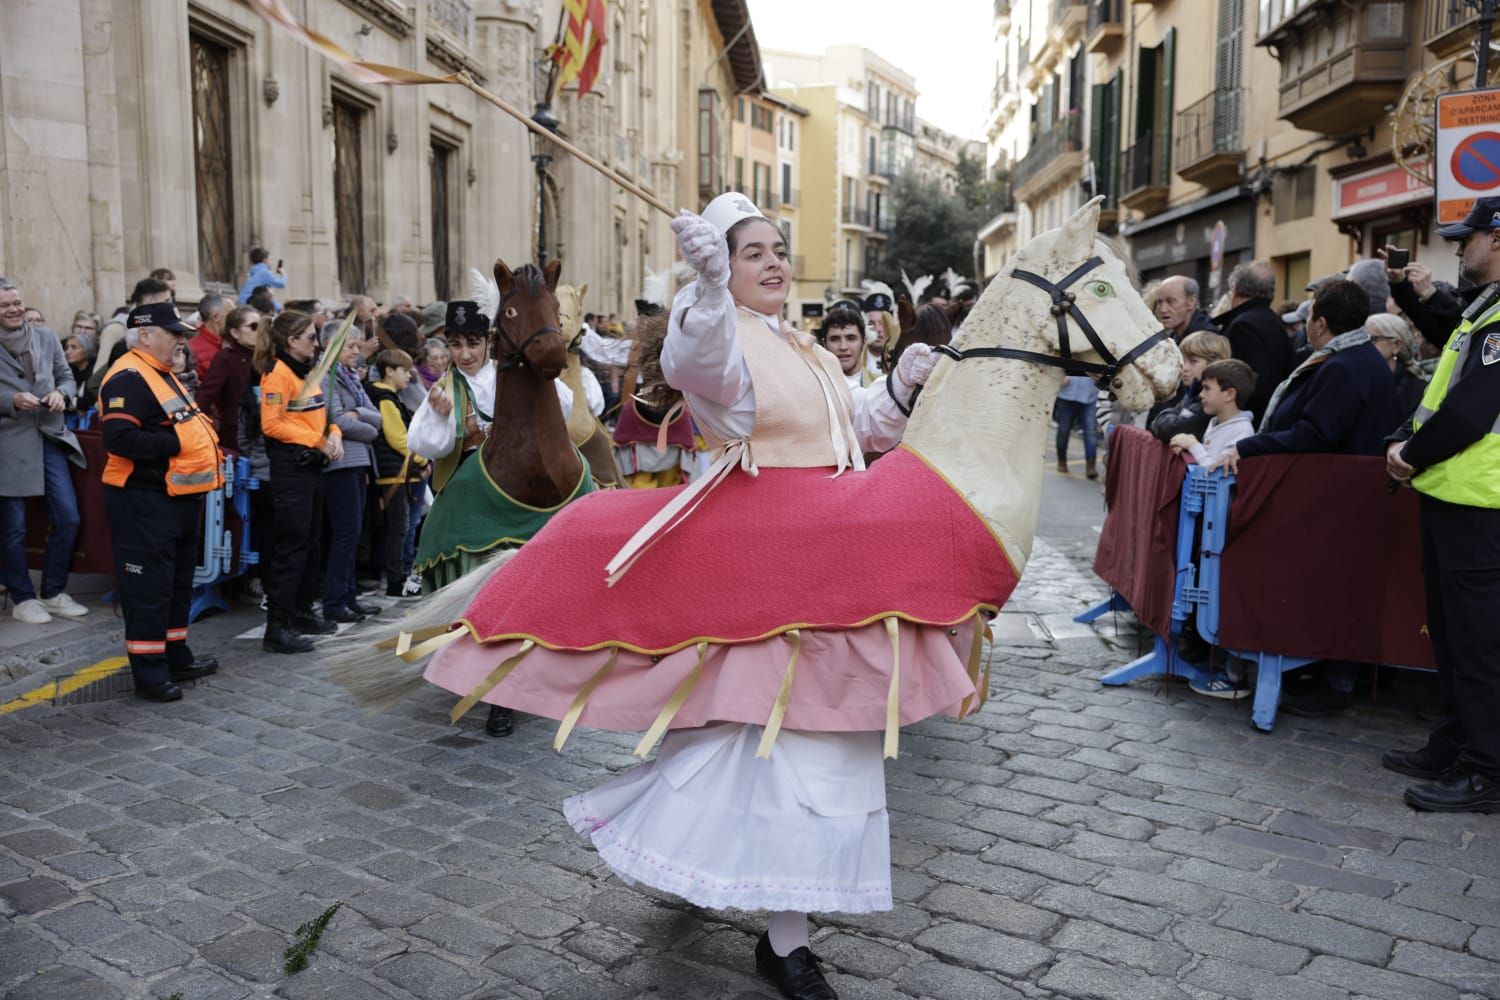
[(1069, 15), (789, 197), (852, 278), (1146, 176), (856, 216), (1210, 140), (906, 122), (1055, 156), (1449, 26), (1106, 28), (1342, 61)]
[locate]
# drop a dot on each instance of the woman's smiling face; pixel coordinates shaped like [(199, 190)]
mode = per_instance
[(759, 270)]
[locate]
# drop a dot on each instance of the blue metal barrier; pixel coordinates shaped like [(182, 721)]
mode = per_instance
[(1195, 593), (218, 564)]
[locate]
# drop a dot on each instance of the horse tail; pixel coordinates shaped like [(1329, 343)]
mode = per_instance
[(377, 677)]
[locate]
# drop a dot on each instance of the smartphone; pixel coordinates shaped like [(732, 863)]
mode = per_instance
[(1397, 258), (279, 262)]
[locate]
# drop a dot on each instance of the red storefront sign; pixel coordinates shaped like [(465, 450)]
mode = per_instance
[(1374, 190)]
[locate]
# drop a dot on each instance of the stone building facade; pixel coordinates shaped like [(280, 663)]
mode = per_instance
[(156, 133)]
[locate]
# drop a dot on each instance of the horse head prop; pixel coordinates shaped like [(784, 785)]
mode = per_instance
[(928, 324), (1066, 304), (570, 314), (530, 331)]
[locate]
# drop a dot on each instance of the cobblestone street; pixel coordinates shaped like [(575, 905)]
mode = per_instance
[(1070, 840)]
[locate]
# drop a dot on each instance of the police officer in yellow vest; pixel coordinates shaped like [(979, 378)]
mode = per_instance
[(1450, 452), (163, 457)]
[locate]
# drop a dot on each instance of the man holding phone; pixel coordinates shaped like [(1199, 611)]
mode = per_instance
[(261, 275), (1449, 451)]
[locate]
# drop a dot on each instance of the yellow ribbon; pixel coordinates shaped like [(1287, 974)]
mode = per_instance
[(431, 645), (976, 647), (576, 709), (783, 698), (893, 697), (489, 684), (984, 692), (673, 705), (402, 642)]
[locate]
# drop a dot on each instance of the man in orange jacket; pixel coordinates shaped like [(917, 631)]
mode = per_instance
[(163, 457)]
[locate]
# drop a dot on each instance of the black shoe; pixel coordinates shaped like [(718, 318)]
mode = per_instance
[(342, 615), (499, 723), (397, 589), (165, 691), (312, 623), (360, 607), (200, 667), (282, 639), (1318, 703), (797, 975), (1423, 763), (1457, 791)]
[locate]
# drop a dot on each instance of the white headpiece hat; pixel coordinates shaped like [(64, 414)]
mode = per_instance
[(729, 208)]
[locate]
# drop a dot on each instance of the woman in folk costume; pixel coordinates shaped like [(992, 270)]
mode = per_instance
[(722, 817)]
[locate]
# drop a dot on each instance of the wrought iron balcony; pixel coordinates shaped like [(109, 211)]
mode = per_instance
[(1342, 61), (1209, 137), (855, 216), (1147, 174), (1106, 29), (1052, 154)]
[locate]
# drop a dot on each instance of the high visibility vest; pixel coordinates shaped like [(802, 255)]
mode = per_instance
[(1472, 477), (196, 468)]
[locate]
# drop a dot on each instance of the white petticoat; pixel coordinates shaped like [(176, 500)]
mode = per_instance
[(806, 830)]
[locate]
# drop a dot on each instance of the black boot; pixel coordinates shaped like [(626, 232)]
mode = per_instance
[(499, 723), (797, 975), (1457, 791), (341, 615), (361, 608), (201, 666), (1424, 763), (282, 638), (310, 622)]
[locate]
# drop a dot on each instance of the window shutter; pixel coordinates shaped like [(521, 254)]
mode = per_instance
[(1166, 68)]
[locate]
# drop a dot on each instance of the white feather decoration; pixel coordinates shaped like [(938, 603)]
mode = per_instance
[(915, 288), (871, 287), (654, 287), (485, 292), (956, 282)]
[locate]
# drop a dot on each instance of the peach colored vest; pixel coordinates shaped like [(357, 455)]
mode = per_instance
[(795, 409)]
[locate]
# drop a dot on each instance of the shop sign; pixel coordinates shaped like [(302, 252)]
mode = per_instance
[(1372, 191)]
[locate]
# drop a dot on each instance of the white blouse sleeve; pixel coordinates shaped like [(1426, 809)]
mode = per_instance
[(878, 422), (701, 356), (593, 393), (564, 396), (605, 350), (430, 434)]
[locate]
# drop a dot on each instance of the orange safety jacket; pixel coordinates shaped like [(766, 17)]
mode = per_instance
[(286, 419), (197, 466)]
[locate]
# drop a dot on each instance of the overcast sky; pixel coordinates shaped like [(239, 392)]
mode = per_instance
[(945, 44)]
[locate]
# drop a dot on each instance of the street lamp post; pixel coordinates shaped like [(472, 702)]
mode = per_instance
[(542, 157)]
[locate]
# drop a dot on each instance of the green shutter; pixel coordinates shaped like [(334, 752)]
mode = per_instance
[(1165, 113)]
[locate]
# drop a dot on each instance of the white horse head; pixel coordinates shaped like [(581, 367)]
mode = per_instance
[(1014, 313)]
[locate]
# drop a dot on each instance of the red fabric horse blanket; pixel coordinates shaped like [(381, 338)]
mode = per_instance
[(789, 548)]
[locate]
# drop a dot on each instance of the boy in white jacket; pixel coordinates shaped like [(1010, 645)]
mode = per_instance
[(1225, 383)]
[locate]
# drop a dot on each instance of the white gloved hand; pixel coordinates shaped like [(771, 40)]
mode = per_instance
[(703, 249), (916, 363)]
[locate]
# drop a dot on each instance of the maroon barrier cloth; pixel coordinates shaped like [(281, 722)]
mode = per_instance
[(1322, 562), (91, 552), (1137, 546)]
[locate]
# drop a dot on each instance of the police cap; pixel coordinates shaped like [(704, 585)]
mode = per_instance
[(878, 302), (162, 314)]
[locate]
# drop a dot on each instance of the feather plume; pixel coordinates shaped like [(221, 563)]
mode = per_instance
[(871, 287), (654, 287), (485, 292), (956, 282), (915, 288)]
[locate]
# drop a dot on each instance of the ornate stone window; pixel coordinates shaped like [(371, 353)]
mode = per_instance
[(349, 121), (213, 160), (442, 163)]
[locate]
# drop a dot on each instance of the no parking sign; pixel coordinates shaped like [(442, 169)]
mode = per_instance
[(1468, 151)]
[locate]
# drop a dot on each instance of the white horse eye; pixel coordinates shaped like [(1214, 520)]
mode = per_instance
[(1101, 289), (510, 312)]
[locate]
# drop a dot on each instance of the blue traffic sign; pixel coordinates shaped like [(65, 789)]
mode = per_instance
[(1476, 161)]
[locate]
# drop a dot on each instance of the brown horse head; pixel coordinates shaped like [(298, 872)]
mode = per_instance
[(928, 325), (530, 330)]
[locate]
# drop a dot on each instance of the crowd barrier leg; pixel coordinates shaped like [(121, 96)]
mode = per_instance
[(1163, 659), (1114, 602), (218, 550)]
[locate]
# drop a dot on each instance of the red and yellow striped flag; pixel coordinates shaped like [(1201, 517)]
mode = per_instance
[(582, 44)]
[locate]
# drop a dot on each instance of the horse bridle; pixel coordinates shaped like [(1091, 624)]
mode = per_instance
[(1064, 305), (517, 357)]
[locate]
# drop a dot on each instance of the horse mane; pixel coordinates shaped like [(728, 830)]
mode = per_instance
[(653, 391), (529, 280)]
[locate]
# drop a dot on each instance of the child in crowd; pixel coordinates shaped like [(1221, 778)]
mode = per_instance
[(1183, 414), (1223, 385), (395, 465)]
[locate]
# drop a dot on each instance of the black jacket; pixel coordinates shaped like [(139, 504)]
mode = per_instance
[(1182, 414), (1200, 321), (1435, 318), (1345, 405), (1258, 337), (1469, 410)]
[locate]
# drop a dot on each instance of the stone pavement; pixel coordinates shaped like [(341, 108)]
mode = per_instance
[(1068, 841)]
